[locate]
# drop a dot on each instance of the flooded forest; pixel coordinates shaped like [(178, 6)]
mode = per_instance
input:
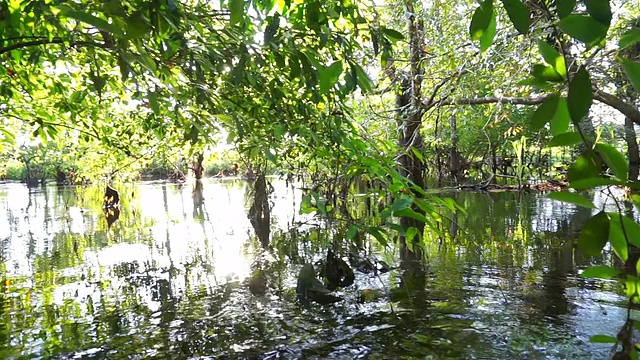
[(280, 179)]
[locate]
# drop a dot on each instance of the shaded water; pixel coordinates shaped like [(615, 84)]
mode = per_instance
[(170, 280)]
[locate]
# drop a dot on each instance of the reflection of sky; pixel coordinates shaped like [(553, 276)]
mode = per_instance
[(175, 247), (551, 214), (178, 240)]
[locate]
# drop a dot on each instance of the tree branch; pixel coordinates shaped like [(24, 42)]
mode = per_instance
[(25, 44), (615, 102), (493, 100), (625, 109)]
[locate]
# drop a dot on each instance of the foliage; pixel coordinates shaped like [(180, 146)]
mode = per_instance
[(617, 229)]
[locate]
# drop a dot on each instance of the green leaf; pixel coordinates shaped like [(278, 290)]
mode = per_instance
[(401, 204), (545, 112), (328, 76), (631, 286), (593, 182), (600, 10), (518, 14), (375, 231), (366, 85), (572, 198), (594, 235), (352, 232), (565, 139), (617, 237), (153, 102), (580, 95), (636, 200), (487, 37), (586, 166), (600, 272), (409, 213), (603, 339), (546, 73), (614, 159), (627, 229), (97, 22), (137, 26), (271, 29), (565, 7), (584, 28), (393, 35), (629, 38), (632, 69), (559, 123), (553, 58), (236, 11), (481, 20)]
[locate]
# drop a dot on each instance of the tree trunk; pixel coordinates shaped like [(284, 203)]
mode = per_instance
[(454, 155), (409, 118), (32, 173), (198, 169), (632, 149)]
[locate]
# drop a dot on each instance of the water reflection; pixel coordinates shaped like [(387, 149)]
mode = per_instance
[(170, 278)]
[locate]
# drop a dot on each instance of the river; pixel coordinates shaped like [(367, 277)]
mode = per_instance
[(168, 280)]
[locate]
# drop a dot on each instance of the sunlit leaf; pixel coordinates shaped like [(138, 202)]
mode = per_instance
[(553, 58), (617, 237), (565, 139), (546, 73), (584, 28), (560, 121), (594, 234), (603, 339), (614, 159), (632, 69), (631, 286), (545, 112), (600, 272), (409, 213), (486, 40), (518, 14), (580, 95), (627, 229), (411, 234), (584, 167), (572, 198), (481, 20)]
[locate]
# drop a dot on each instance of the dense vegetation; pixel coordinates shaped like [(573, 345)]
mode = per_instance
[(383, 94)]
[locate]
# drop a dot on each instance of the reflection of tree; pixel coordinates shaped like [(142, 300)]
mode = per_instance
[(260, 211), (198, 201)]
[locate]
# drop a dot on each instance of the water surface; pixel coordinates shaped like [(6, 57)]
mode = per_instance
[(170, 280)]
